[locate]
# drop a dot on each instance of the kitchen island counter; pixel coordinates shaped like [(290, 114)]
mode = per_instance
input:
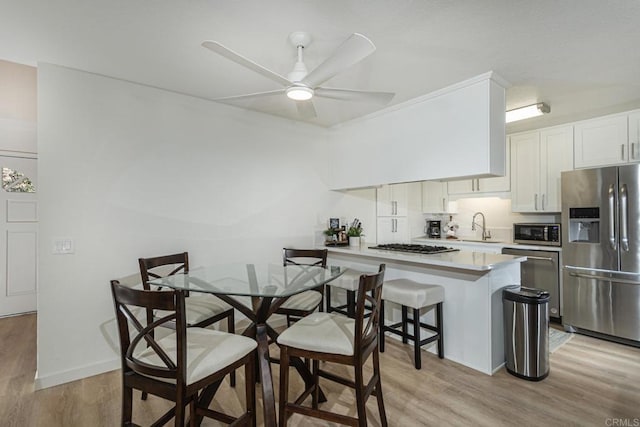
[(472, 309), (462, 259)]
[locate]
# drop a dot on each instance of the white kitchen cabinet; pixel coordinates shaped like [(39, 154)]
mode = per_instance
[(393, 230), (634, 137), (602, 141), (435, 198), (392, 200), (537, 160), (479, 186)]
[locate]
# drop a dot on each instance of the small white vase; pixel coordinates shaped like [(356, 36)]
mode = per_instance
[(354, 241)]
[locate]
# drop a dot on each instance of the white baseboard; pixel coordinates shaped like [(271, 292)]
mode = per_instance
[(76, 373)]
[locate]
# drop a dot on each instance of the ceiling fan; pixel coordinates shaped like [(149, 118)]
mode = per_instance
[(301, 85)]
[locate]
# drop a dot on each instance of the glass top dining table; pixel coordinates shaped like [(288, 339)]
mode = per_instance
[(269, 286)]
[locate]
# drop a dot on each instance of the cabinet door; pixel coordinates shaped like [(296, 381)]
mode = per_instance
[(634, 137), (392, 230), (601, 142), (461, 187), (434, 197), (556, 156), (499, 183), (525, 172), (392, 200)]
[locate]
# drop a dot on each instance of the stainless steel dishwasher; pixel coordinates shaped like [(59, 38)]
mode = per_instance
[(541, 270)]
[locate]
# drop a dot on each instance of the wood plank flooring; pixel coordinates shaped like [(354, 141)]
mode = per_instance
[(592, 382)]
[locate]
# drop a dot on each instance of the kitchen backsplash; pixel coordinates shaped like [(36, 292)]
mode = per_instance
[(498, 216)]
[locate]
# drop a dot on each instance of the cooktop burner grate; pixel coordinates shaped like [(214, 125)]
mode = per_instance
[(413, 248)]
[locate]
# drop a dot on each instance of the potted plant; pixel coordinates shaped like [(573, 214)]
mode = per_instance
[(354, 233)]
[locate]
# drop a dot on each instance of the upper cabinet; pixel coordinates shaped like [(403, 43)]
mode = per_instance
[(392, 200), (603, 141), (634, 136), (434, 197), (479, 186), (537, 160), (405, 142)]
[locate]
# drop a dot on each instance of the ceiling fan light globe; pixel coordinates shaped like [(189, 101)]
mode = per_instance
[(299, 93)]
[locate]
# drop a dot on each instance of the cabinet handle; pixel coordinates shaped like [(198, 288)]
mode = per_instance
[(543, 202), (622, 151), (535, 201), (395, 208), (477, 185), (473, 185), (443, 208), (633, 150)]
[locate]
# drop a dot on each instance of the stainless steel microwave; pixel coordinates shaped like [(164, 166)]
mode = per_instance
[(537, 234)]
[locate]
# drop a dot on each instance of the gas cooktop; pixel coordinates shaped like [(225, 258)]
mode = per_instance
[(418, 249)]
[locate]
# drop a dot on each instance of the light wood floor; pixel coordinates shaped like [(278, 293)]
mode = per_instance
[(590, 382)]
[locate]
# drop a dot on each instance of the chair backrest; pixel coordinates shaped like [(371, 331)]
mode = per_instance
[(304, 257), (179, 263), (369, 297), (126, 300)]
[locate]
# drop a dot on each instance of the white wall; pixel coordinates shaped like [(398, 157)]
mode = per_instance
[(129, 171), (17, 107)]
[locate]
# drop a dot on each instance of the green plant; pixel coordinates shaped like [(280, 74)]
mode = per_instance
[(355, 231), (330, 232)]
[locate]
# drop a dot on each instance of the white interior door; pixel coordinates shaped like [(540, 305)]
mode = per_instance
[(19, 235)]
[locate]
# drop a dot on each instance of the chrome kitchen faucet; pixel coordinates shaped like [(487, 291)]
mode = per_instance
[(485, 233)]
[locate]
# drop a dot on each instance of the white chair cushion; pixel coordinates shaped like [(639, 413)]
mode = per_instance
[(307, 300), (199, 307), (321, 332), (208, 352), (349, 280), (412, 294)]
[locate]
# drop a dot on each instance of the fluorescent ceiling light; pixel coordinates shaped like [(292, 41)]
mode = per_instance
[(299, 93), (527, 112)]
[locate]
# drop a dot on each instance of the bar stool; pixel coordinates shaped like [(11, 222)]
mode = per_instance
[(408, 293)]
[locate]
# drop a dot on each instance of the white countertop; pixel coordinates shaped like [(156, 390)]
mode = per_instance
[(490, 244), (463, 260)]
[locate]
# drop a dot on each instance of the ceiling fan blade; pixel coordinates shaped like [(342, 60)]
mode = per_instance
[(251, 95), (306, 110), (354, 95), (353, 50), (239, 59)]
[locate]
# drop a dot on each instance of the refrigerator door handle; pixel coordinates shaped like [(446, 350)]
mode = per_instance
[(604, 278), (624, 220), (612, 219)]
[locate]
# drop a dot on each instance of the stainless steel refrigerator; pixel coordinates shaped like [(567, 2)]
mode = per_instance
[(601, 251)]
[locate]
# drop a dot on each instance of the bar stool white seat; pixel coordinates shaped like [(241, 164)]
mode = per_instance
[(408, 293)]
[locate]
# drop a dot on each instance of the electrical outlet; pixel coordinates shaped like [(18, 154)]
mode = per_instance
[(63, 246)]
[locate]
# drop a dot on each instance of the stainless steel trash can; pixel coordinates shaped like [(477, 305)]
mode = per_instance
[(526, 323)]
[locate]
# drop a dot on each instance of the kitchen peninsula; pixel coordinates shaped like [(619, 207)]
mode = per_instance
[(473, 282)]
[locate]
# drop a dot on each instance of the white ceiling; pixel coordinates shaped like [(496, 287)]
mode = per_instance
[(582, 57)]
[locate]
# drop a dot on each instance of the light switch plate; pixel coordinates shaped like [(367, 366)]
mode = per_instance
[(63, 246)]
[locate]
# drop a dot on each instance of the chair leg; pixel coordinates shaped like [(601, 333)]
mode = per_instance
[(360, 397), (179, 417), (405, 321), (351, 304), (250, 388), (416, 338), (378, 389), (381, 342), (127, 404), (316, 389), (284, 385), (327, 298), (231, 328), (440, 334)]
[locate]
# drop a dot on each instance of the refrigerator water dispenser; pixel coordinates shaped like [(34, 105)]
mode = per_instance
[(584, 225)]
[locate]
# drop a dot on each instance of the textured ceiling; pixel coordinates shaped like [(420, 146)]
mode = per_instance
[(579, 56)]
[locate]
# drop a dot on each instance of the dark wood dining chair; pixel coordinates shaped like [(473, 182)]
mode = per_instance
[(305, 303), (183, 365), (201, 309), (335, 338)]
